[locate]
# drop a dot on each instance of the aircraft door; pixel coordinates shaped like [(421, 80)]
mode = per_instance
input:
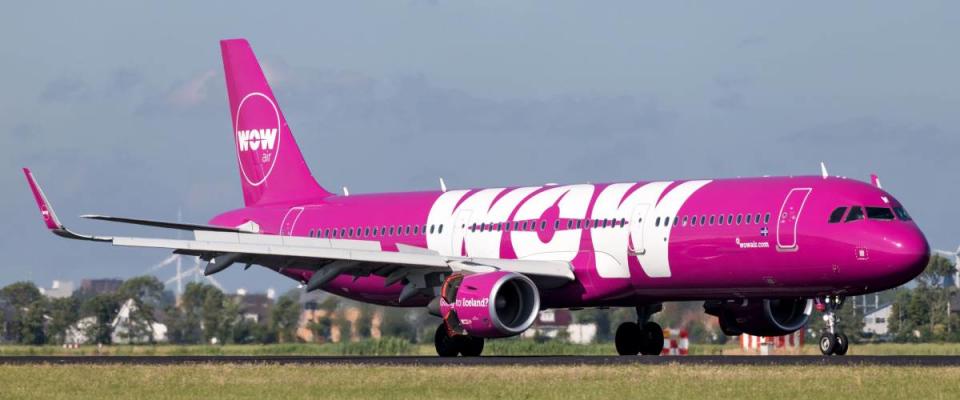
[(290, 220), (637, 220), (460, 228), (789, 217)]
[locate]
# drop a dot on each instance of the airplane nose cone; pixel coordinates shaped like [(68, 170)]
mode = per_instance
[(908, 253)]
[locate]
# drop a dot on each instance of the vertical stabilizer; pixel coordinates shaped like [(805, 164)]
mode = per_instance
[(272, 169)]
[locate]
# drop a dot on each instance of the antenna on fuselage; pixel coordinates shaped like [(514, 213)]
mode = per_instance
[(346, 192), (443, 185), (823, 170)]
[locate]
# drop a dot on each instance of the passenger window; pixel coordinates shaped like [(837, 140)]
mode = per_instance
[(440, 229), (693, 220), (856, 213), (739, 218), (543, 225), (579, 224), (685, 219), (748, 218), (311, 233), (902, 213), (757, 219), (556, 225), (719, 219), (623, 222), (407, 231), (881, 213), (837, 215), (326, 232), (366, 231), (703, 219), (416, 230), (431, 229), (391, 230), (676, 220), (766, 218), (729, 219), (498, 227), (569, 224), (657, 223), (666, 221)]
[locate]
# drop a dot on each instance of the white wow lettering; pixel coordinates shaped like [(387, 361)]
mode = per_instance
[(257, 139)]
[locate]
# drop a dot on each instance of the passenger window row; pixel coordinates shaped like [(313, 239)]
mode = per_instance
[(713, 219), (542, 225), (376, 231)]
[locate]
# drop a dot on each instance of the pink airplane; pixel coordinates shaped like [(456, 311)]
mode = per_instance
[(761, 253)]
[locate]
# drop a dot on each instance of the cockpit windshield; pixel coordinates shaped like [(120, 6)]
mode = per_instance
[(856, 213), (902, 214), (881, 213)]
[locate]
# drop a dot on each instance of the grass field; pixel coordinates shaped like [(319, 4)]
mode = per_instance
[(669, 381), (507, 347)]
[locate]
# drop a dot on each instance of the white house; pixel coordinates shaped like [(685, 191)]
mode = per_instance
[(875, 322), (121, 324)]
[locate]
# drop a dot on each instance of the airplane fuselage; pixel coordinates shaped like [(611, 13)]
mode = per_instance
[(630, 243)]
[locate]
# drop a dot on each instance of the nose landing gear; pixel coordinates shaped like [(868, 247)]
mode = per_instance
[(832, 341), (644, 336)]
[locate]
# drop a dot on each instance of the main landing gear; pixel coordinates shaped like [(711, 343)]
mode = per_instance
[(451, 346), (644, 336), (832, 341)]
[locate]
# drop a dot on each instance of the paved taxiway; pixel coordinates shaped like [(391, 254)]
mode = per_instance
[(467, 361)]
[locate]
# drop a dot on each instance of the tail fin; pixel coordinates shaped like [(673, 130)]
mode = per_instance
[(271, 167)]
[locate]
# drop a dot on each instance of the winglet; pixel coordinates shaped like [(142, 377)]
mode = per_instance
[(46, 210), (50, 217)]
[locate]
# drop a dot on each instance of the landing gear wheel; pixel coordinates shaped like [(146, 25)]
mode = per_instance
[(842, 344), (828, 343), (446, 346), (470, 346), (628, 338), (651, 339)]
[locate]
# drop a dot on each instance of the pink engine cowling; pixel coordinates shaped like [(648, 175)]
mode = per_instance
[(489, 305)]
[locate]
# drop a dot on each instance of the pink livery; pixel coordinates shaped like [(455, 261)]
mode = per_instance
[(761, 253)]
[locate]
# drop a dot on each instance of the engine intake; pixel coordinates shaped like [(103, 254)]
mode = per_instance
[(760, 317), (489, 305)]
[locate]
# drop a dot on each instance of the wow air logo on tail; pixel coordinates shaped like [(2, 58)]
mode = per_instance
[(258, 137)]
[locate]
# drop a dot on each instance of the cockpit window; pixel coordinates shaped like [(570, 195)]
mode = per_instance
[(837, 215), (882, 213), (856, 213), (901, 214)]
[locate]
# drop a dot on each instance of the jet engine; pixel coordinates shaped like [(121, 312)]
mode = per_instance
[(487, 305), (760, 317)]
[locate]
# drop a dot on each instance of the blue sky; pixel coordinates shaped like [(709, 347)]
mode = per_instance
[(119, 107)]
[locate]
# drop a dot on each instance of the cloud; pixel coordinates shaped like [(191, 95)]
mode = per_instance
[(192, 92), (65, 89)]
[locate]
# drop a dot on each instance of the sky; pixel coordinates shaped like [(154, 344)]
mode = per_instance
[(119, 106)]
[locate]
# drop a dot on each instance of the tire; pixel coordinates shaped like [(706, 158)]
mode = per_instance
[(446, 346), (652, 342), (828, 343), (843, 343), (471, 346), (627, 339)]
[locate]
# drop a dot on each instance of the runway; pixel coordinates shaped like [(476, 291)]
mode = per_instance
[(932, 361)]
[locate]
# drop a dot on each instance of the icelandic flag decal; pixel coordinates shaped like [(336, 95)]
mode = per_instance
[(764, 232)]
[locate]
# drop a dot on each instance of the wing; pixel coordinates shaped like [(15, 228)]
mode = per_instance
[(419, 269)]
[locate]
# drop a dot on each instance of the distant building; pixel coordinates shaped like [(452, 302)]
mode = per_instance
[(875, 322), (93, 287), (121, 325), (58, 290), (254, 307), (558, 323)]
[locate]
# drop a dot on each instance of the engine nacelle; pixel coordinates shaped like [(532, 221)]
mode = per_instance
[(766, 317), (488, 305)]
